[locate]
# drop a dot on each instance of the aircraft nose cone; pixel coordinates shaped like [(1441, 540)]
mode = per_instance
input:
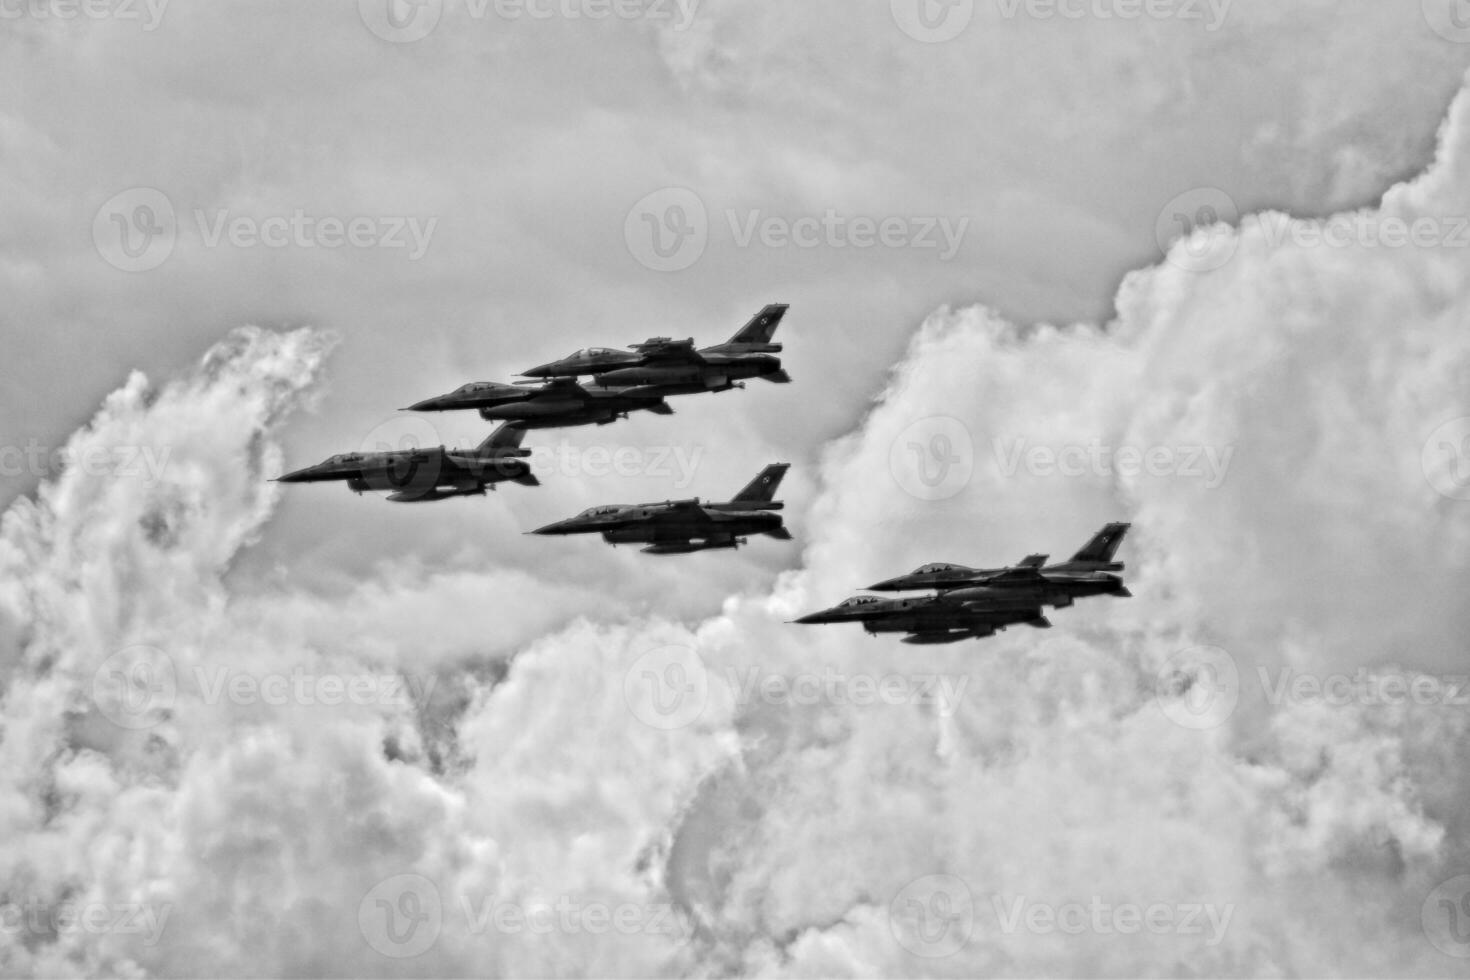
[(298, 476), (812, 619), (436, 404), (560, 527), (887, 585), (539, 371)]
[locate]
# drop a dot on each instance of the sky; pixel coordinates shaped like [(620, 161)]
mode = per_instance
[(255, 730)]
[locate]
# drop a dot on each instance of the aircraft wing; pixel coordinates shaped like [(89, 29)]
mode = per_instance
[(662, 350)]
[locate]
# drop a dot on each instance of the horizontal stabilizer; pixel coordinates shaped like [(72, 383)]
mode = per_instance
[(778, 377), (780, 534), (661, 408)]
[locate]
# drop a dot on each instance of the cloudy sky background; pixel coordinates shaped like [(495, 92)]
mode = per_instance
[(779, 838)]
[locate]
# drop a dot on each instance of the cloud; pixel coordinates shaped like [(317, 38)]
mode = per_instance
[(481, 771)]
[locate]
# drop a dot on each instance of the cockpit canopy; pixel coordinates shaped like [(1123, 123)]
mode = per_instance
[(346, 458), (600, 511), (475, 386), (936, 567), (591, 352), (859, 600)]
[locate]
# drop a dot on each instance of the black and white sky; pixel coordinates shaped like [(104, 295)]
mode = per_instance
[(1199, 265)]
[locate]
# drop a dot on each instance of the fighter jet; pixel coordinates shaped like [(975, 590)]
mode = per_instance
[(928, 620), (664, 361), (424, 475), (559, 403), (1031, 582), (681, 527)]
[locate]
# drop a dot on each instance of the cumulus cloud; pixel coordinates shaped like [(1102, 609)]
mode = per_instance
[(442, 775)]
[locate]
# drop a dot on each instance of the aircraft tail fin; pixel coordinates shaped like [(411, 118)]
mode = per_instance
[(762, 490), (1102, 547), (762, 326), (508, 437)]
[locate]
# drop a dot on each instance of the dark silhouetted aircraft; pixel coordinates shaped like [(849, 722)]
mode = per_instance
[(559, 403), (680, 527), (972, 603), (1089, 572), (423, 475), (662, 361), (928, 620)]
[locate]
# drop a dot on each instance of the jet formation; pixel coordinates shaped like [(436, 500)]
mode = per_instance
[(973, 603), (597, 386), (600, 385)]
